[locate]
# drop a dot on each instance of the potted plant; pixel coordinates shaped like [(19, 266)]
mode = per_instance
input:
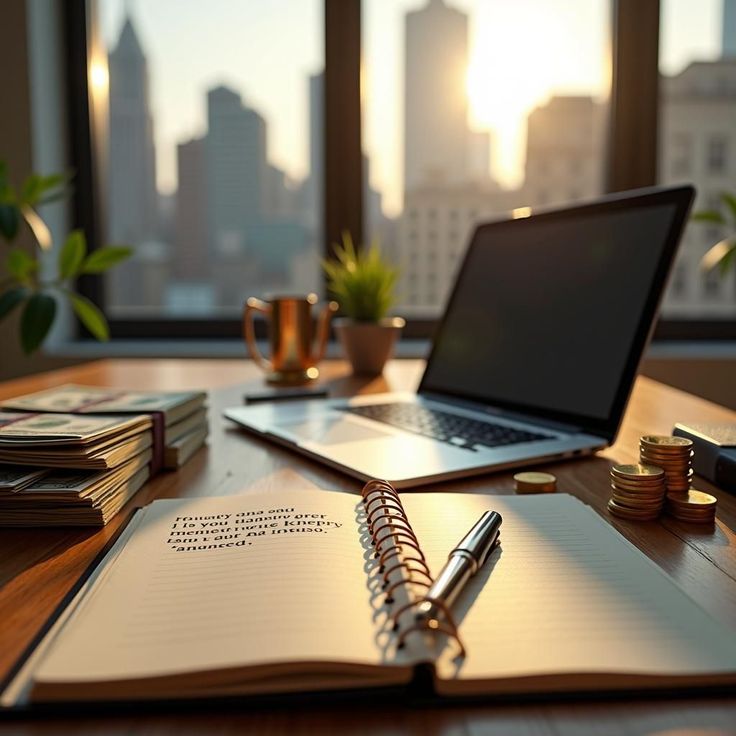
[(723, 253), (364, 285), (32, 289)]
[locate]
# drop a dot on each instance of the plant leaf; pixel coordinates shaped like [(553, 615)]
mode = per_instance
[(38, 227), (90, 316), (9, 221), (712, 216), (10, 299), (103, 258), (730, 257), (36, 320), (730, 201), (31, 189), (20, 265), (72, 254)]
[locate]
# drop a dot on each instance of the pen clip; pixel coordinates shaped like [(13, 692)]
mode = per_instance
[(482, 539)]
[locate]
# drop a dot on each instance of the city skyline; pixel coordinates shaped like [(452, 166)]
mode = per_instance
[(237, 225), (180, 78)]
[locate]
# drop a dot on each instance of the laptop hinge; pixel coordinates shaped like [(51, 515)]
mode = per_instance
[(505, 413)]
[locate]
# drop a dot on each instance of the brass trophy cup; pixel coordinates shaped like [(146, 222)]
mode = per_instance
[(293, 359)]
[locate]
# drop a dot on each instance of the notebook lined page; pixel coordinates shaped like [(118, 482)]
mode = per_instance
[(223, 582), (564, 594)]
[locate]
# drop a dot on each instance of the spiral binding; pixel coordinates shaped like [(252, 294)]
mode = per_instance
[(391, 533)]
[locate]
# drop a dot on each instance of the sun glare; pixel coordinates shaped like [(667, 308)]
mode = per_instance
[(98, 75), (515, 66)]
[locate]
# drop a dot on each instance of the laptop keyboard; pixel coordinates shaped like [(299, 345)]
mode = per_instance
[(453, 429)]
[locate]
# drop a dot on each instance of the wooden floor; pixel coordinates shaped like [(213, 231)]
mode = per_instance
[(38, 567)]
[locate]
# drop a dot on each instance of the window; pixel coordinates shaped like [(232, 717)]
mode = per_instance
[(525, 123), (214, 156), (697, 106), (711, 284), (679, 280), (518, 100), (717, 155), (680, 155)]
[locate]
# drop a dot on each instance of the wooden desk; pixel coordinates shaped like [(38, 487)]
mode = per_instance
[(38, 566)]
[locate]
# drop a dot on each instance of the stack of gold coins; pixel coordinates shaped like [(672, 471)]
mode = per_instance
[(673, 455), (692, 505), (535, 482), (638, 492)]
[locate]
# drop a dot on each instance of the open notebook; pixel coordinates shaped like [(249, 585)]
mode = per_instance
[(282, 592)]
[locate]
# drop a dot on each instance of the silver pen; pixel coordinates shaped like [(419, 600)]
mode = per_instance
[(464, 561)]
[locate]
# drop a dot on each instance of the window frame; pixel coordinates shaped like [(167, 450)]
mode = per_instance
[(630, 155)]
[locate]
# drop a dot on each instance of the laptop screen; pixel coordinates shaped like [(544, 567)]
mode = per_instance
[(549, 314)]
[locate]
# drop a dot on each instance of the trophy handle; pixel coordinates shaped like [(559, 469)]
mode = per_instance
[(323, 331), (253, 305)]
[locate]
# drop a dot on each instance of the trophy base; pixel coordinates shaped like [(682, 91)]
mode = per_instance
[(292, 378)]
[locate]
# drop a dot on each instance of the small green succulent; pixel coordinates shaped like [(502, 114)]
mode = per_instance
[(361, 281)]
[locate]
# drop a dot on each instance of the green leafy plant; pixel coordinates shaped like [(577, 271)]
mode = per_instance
[(723, 253), (361, 281), (25, 287)]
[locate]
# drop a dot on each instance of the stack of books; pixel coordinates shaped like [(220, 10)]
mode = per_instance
[(75, 455)]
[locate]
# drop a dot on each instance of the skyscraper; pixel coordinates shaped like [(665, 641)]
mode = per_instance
[(190, 219), (728, 46), (435, 121), (235, 153), (563, 151), (132, 203), (698, 144)]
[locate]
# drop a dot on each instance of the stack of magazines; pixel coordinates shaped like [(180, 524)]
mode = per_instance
[(74, 455)]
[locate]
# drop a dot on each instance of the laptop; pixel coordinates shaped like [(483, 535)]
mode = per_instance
[(533, 359)]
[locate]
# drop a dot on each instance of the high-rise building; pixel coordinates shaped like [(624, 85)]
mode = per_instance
[(728, 46), (235, 154), (698, 144), (132, 206), (435, 119), (433, 234), (564, 151), (314, 199), (190, 217), (132, 164)]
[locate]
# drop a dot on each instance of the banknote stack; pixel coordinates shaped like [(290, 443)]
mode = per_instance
[(74, 455), (182, 414), (66, 469), (638, 492)]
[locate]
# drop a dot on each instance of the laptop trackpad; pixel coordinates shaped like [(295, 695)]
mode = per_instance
[(331, 430)]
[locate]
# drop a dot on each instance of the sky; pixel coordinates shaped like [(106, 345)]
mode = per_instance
[(520, 53)]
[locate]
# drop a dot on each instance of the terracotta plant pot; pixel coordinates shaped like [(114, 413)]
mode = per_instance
[(368, 345)]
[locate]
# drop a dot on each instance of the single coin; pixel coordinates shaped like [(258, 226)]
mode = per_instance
[(656, 452), (535, 482), (642, 483), (690, 513), (661, 442), (637, 493), (667, 467), (648, 496), (624, 513), (633, 509), (693, 498), (691, 519), (636, 471), (666, 458), (637, 505)]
